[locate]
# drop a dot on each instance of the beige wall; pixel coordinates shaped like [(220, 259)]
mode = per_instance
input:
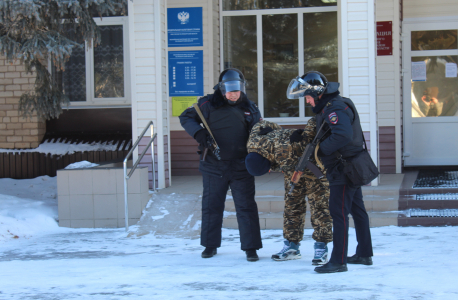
[(429, 8), (17, 132)]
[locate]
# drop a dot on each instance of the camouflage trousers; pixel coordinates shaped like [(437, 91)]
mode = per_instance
[(317, 193)]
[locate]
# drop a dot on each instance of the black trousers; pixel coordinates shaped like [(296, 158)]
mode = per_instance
[(214, 196), (345, 200)]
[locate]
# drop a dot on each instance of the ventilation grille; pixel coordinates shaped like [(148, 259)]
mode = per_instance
[(433, 213), (447, 196)]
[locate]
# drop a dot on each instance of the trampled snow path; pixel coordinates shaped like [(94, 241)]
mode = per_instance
[(49, 262), (409, 263)]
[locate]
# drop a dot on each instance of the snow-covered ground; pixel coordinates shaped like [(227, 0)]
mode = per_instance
[(39, 260), (59, 147)]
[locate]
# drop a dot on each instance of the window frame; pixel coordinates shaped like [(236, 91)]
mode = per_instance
[(299, 11), (91, 100)]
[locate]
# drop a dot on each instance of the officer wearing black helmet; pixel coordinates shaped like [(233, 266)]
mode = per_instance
[(346, 138), (230, 116)]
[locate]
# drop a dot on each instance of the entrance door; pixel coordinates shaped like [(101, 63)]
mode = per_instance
[(430, 87)]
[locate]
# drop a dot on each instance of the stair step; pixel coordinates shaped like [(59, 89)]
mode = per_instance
[(429, 217), (412, 213), (428, 200), (275, 204), (437, 196), (275, 220)]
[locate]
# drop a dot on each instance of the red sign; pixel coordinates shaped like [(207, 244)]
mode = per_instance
[(384, 38)]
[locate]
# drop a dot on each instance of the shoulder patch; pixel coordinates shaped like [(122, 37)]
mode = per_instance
[(333, 118)]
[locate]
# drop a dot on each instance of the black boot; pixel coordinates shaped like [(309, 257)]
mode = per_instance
[(331, 268), (359, 260), (251, 255), (208, 252)]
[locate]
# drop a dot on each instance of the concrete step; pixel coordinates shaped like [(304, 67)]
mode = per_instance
[(275, 204), (275, 220)]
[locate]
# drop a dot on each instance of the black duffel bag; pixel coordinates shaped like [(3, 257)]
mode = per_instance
[(359, 169)]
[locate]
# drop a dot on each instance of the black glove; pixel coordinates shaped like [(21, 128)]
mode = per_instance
[(264, 131), (296, 137), (202, 136)]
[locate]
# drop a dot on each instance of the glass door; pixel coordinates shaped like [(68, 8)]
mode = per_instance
[(430, 88)]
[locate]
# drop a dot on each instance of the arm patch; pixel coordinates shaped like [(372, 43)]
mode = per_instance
[(333, 118)]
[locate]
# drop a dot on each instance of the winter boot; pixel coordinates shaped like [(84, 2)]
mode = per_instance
[(290, 251), (208, 252), (251, 255), (321, 253), (359, 260), (331, 268)]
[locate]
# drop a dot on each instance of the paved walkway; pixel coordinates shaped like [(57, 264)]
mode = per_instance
[(381, 200)]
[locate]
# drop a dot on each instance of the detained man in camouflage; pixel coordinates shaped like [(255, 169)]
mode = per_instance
[(272, 147)]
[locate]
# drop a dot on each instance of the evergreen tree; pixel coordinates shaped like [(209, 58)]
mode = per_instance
[(35, 31)]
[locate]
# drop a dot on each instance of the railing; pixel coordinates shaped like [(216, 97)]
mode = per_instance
[(126, 176)]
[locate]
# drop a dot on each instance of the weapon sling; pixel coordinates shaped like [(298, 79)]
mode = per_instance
[(196, 107)]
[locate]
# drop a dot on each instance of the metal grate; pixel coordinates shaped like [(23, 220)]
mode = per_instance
[(446, 196), (432, 213), (120, 140), (436, 179)]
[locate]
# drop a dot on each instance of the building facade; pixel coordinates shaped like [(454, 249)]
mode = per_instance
[(396, 59)]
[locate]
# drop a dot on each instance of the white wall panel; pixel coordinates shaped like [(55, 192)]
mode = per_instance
[(358, 90), (388, 82), (385, 99), (357, 25), (358, 53), (388, 75), (357, 16), (358, 71), (359, 80)]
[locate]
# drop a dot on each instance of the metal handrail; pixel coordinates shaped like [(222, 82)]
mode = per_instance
[(127, 177)]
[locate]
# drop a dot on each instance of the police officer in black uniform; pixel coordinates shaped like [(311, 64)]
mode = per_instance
[(346, 139), (230, 116)]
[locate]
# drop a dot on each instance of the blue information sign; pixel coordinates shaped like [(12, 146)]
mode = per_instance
[(184, 27), (186, 73)]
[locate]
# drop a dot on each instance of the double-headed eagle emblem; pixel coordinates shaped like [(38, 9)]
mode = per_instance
[(183, 17)]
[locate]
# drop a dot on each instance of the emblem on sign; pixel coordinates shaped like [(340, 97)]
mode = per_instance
[(333, 118), (183, 17)]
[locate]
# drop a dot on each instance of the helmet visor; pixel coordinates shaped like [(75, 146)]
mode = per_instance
[(294, 90), (232, 86), (299, 88)]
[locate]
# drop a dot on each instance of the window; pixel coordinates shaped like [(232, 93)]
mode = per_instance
[(272, 46), (99, 76), (272, 4)]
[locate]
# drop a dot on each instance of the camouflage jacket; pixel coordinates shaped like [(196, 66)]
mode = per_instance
[(276, 147)]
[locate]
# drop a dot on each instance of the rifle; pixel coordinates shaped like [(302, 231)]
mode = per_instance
[(304, 161), (211, 142)]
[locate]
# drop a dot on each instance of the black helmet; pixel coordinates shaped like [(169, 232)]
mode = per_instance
[(312, 83), (231, 80)]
